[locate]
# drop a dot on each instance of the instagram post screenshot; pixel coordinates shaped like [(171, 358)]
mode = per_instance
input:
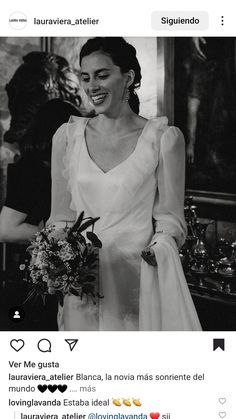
[(117, 210)]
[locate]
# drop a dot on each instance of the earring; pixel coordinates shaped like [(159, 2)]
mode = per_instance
[(126, 95)]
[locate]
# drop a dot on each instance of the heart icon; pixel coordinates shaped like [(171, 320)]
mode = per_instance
[(222, 400), (42, 388), (17, 344), (62, 388), (52, 388), (222, 414), (155, 415)]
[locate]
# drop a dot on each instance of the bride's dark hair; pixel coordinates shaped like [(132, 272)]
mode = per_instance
[(123, 55)]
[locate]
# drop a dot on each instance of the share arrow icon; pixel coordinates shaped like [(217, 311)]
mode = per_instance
[(71, 343)]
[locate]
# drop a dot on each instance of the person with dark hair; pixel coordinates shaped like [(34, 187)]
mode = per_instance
[(125, 58), (42, 77), (27, 204), (28, 197), (29, 180), (128, 171)]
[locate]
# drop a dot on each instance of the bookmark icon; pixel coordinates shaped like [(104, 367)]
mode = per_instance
[(218, 343)]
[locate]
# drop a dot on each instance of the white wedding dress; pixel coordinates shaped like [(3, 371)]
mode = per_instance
[(147, 186)]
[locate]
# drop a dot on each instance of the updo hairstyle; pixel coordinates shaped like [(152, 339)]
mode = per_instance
[(123, 55)]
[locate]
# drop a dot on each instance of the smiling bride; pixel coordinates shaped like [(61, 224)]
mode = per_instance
[(128, 171)]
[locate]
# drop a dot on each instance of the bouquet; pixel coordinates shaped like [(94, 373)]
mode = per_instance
[(64, 262)]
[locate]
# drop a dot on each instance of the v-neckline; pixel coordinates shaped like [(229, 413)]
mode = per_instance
[(119, 164)]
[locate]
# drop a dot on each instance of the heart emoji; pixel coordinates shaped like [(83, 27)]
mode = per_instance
[(222, 400), (52, 388), (155, 415), (62, 387), (42, 388), (17, 344), (222, 414)]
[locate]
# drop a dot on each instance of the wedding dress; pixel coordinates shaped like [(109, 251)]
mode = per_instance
[(145, 190)]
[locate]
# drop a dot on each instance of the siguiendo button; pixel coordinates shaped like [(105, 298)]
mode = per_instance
[(169, 20)]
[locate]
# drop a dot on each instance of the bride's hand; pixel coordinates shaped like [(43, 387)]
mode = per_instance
[(149, 256)]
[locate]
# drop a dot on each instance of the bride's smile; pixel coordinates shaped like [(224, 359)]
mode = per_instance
[(129, 172), (104, 83)]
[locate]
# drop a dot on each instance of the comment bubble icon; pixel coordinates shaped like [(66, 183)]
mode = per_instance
[(44, 345)]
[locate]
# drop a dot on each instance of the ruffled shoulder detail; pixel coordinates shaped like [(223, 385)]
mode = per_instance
[(161, 136), (155, 129), (68, 138)]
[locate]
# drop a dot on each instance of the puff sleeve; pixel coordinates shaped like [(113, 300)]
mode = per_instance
[(61, 211), (168, 210), (165, 302)]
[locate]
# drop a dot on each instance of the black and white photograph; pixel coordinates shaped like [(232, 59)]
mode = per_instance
[(117, 184)]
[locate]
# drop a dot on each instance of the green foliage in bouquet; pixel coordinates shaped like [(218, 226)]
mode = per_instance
[(64, 262)]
